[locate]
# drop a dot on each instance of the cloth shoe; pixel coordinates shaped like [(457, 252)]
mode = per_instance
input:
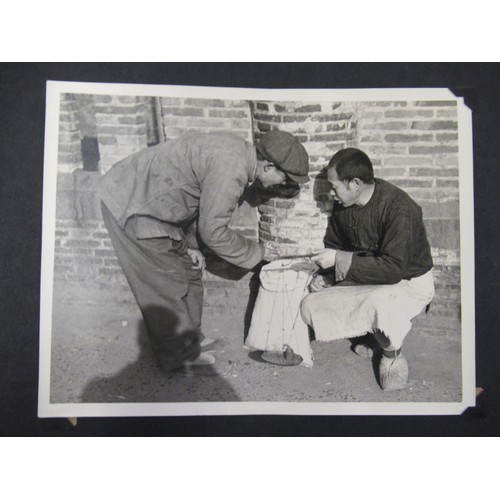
[(363, 350), (393, 372), (365, 346)]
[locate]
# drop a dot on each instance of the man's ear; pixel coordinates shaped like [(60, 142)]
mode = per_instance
[(261, 166), (269, 166), (357, 182)]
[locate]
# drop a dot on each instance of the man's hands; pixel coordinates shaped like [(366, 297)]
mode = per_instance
[(197, 258), (319, 283), (325, 258)]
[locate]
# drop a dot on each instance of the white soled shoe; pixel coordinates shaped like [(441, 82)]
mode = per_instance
[(210, 344), (203, 359)]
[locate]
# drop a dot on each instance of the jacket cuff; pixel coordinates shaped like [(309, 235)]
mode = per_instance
[(191, 237)]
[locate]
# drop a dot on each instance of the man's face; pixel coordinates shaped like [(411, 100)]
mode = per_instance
[(343, 192), (272, 176)]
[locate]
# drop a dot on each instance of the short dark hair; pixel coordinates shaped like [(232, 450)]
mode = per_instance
[(351, 163)]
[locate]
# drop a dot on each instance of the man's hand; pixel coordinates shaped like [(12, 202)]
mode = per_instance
[(319, 283), (197, 258), (325, 258), (268, 256)]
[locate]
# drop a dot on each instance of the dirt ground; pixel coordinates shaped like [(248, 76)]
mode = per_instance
[(101, 354)]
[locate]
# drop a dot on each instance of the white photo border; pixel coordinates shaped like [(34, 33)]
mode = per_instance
[(47, 409)]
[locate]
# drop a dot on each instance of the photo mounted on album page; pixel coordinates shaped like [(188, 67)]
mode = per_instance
[(238, 251)]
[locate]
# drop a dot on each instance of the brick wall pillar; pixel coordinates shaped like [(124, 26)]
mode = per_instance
[(70, 154), (121, 127), (297, 225)]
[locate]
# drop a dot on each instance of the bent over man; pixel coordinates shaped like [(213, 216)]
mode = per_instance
[(376, 268), (156, 202)]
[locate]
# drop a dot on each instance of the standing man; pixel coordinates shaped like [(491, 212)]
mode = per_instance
[(156, 204), (376, 268)]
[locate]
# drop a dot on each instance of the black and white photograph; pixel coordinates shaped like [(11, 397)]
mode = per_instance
[(239, 251)]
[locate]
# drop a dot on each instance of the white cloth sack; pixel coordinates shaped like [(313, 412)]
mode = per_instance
[(276, 319)]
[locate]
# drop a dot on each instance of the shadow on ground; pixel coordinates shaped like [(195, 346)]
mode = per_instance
[(143, 381), (101, 354)]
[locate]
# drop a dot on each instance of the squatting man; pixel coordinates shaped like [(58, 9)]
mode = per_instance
[(376, 267), (156, 204)]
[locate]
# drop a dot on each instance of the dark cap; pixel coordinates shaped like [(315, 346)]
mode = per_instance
[(287, 153)]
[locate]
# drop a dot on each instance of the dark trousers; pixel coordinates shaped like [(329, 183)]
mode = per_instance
[(167, 289)]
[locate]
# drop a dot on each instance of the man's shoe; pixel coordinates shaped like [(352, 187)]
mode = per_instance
[(200, 366), (211, 344), (203, 359), (393, 372), (365, 346), (363, 350)]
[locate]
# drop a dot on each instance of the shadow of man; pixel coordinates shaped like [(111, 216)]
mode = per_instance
[(144, 381)]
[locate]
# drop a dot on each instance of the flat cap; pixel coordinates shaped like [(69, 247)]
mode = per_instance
[(287, 153)]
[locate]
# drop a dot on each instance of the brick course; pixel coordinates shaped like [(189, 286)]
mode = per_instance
[(181, 115)]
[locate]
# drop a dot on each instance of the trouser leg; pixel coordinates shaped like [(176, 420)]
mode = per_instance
[(166, 288), (395, 306), (194, 297)]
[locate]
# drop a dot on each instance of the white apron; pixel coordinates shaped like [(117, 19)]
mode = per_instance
[(341, 312)]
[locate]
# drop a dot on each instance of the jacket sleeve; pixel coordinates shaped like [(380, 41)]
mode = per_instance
[(388, 264), (223, 185), (333, 238)]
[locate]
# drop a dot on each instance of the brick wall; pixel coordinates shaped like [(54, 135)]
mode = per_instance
[(412, 144), (297, 225), (184, 115), (92, 247), (69, 151), (121, 127), (82, 247)]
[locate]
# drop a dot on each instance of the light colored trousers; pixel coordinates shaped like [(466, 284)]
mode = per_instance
[(342, 312)]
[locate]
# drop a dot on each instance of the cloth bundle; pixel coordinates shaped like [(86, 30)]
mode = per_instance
[(276, 320)]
